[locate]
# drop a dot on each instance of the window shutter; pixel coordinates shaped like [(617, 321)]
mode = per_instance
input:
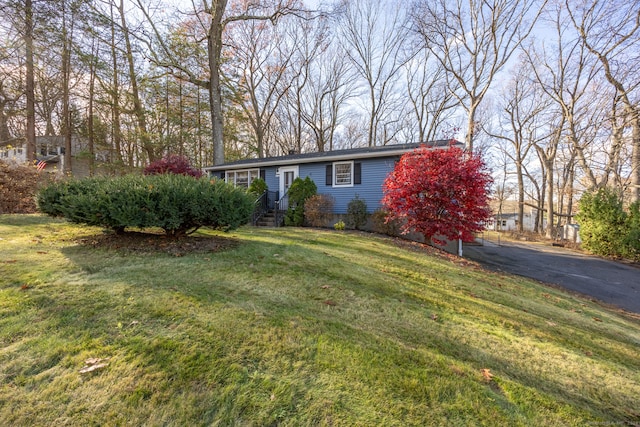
[(357, 173), (329, 175), (222, 176), (263, 174)]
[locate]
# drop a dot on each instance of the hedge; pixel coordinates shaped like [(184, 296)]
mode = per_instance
[(176, 203)]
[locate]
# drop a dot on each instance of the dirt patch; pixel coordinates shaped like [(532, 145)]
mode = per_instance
[(138, 242)]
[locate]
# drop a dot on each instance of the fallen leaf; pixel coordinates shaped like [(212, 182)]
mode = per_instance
[(273, 397), (331, 303), (42, 252), (9, 261), (487, 375), (93, 364), (92, 368), (24, 287), (325, 286), (551, 323), (434, 317), (597, 319)]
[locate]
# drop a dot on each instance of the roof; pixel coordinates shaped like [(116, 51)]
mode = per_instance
[(332, 156)]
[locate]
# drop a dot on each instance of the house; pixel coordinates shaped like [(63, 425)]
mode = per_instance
[(343, 174), (50, 151)]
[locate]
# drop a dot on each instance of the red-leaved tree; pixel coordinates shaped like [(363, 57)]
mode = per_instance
[(174, 164), (441, 192)]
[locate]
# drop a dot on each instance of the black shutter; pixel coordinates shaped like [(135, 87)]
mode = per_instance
[(357, 173), (222, 176), (263, 174), (329, 175)]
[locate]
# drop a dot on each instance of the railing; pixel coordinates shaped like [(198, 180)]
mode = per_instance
[(281, 207), (263, 204)]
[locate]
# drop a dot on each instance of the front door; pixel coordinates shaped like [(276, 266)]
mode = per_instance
[(287, 175)]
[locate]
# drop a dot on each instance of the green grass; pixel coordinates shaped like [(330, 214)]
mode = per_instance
[(297, 327)]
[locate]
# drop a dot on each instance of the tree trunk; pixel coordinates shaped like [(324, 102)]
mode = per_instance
[(66, 77), (214, 49), (147, 145), (30, 83), (115, 97)]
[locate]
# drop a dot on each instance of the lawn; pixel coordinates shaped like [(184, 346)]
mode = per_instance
[(295, 327)]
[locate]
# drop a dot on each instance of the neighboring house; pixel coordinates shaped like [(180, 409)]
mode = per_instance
[(50, 151), (343, 174)]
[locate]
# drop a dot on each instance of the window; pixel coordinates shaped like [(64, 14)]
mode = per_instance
[(242, 178), (344, 174)]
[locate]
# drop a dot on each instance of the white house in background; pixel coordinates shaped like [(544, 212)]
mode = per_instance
[(51, 151), (509, 222)]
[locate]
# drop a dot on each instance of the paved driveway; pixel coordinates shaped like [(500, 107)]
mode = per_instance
[(611, 282)]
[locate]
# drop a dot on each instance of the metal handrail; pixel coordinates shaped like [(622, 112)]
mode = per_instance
[(281, 207), (261, 206)]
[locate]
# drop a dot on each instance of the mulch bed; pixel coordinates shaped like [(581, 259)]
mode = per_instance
[(147, 242)]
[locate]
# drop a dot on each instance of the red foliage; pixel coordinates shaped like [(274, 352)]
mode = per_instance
[(174, 164), (439, 192)]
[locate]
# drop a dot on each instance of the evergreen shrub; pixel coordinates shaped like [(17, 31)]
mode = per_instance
[(178, 204), (606, 228), (299, 192), (356, 213)]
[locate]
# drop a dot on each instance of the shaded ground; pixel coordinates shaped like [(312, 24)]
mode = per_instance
[(132, 241), (611, 282)]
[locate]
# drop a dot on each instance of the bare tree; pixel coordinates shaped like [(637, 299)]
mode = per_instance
[(430, 103), (473, 40), (520, 129), (214, 18), (611, 32), (374, 32)]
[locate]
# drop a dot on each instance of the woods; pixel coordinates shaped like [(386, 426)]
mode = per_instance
[(547, 92)]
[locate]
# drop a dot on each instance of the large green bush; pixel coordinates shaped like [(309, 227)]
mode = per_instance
[(299, 192), (176, 203), (606, 228)]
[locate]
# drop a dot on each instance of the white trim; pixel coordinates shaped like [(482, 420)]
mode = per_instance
[(235, 176), (334, 178), (283, 174)]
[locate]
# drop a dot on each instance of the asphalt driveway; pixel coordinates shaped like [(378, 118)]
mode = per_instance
[(610, 282)]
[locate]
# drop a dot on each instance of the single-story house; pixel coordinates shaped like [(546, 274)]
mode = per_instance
[(343, 174)]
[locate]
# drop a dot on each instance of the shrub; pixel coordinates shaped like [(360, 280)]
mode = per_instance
[(173, 164), (632, 239), (384, 224), (299, 192), (356, 213), (318, 210), (178, 204), (602, 222), (339, 225), (257, 187), (18, 187)]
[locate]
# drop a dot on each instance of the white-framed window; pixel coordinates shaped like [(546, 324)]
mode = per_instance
[(242, 178), (343, 174)]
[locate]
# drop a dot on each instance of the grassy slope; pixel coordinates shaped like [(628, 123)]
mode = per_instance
[(297, 327)]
